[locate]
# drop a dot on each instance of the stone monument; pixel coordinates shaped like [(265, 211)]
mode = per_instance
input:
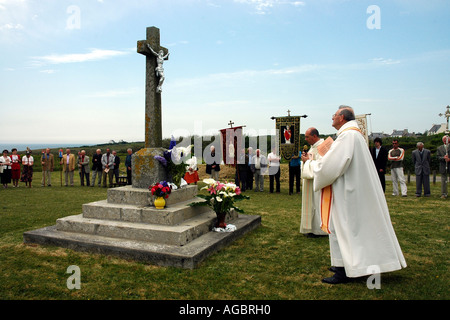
[(127, 224), (146, 170)]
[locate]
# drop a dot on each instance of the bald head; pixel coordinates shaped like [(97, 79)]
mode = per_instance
[(312, 135)]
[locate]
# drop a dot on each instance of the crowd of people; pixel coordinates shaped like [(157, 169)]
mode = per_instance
[(343, 188), (421, 158), (104, 167)]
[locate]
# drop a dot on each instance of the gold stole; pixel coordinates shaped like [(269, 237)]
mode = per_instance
[(326, 198)]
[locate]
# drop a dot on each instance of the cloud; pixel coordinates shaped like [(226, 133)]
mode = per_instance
[(384, 61), (48, 71), (93, 55), (264, 6), (11, 26)]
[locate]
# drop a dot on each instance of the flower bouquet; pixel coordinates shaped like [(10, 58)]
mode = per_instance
[(221, 198), (172, 161), (161, 191)]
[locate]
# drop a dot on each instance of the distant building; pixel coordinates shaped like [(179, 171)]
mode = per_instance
[(400, 133), (380, 135), (437, 128)]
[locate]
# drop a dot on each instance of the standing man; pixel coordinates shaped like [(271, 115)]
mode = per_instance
[(212, 167), (241, 170), (97, 168), (274, 170), (354, 212), (83, 164), (310, 219), (68, 163), (48, 164), (379, 156), (396, 155), (294, 173), (443, 154), (249, 169), (108, 167), (259, 165), (128, 165), (421, 159), (116, 166)]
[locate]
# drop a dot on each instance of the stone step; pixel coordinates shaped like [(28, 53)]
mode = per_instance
[(143, 197), (177, 235), (189, 256), (171, 215)]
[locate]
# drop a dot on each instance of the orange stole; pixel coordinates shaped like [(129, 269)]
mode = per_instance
[(325, 208), (325, 200)]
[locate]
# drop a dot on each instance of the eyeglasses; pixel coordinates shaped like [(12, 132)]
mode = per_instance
[(334, 115)]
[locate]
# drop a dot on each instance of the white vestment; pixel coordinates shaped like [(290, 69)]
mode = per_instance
[(310, 219), (362, 238)]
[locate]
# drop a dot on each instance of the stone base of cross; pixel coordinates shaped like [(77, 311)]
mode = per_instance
[(146, 170)]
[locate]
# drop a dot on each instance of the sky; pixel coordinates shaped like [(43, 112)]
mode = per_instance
[(69, 70)]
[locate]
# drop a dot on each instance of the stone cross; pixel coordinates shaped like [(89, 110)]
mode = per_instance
[(153, 124)]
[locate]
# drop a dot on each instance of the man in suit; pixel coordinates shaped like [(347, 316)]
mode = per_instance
[(48, 164), (443, 154), (68, 164), (421, 159), (379, 156), (128, 165), (83, 164), (108, 167), (97, 167)]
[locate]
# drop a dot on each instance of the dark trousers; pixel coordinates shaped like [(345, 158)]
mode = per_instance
[(382, 177), (128, 176), (82, 175), (294, 172), (249, 185), (423, 179), (241, 179), (275, 177)]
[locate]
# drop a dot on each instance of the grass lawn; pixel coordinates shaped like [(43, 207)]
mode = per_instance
[(273, 262)]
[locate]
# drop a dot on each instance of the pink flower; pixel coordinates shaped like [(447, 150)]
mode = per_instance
[(237, 191), (212, 190)]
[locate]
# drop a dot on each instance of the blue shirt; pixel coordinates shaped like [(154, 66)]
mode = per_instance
[(295, 162)]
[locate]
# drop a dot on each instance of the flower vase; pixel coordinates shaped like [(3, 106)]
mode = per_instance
[(159, 203), (220, 223)]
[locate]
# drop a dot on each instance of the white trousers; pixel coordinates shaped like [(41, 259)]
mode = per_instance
[(398, 177)]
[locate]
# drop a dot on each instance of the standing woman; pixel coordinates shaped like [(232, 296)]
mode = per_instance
[(5, 163), (15, 168), (27, 173)]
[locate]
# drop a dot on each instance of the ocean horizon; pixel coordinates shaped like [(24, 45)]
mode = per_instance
[(38, 146)]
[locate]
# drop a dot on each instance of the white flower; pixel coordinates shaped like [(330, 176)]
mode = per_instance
[(218, 199), (209, 181)]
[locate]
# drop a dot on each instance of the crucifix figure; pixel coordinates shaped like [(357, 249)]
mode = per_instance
[(154, 77), (289, 113), (159, 70), (231, 124), (446, 115)]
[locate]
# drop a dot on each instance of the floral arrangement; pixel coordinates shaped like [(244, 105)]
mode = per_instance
[(172, 161), (161, 189), (221, 198)]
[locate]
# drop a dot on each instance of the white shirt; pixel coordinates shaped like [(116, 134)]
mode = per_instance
[(26, 160), (4, 160)]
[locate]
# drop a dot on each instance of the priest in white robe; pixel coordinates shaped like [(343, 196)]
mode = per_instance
[(361, 235), (310, 219)]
